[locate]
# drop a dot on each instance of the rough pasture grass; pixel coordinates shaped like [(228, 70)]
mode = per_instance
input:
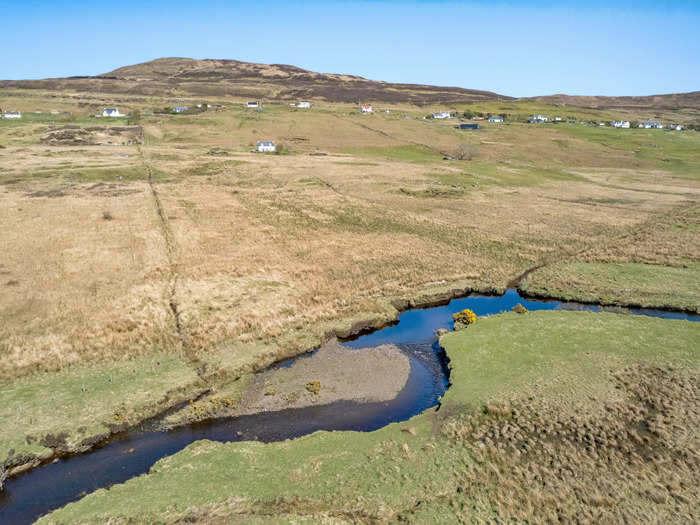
[(619, 283), (543, 422), (410, 153)]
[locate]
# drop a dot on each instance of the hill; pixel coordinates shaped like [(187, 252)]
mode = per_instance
[(668, 102), (185, 76)]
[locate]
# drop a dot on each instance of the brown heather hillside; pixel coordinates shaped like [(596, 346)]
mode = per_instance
[(185, 76), (671, 101)]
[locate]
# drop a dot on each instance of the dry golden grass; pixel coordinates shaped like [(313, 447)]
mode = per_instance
[(264, 245)]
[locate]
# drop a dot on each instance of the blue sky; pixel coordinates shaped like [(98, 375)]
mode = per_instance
[(516, 48)]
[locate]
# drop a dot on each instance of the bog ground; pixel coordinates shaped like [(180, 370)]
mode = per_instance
[(146, 261)]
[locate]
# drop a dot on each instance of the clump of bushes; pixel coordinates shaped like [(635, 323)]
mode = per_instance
[(314, 387), (464, 318), (519, 309), (466, 151)]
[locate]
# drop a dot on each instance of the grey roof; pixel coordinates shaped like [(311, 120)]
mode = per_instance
[(265, 143)]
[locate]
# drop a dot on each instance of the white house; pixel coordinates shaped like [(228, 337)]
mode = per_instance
[(265, 146), (366, 109), (539, 118), (254, 104), (558, 119), (12, 114), (442, 114), (305, 105), (111, 112), (495, 119), (180, 109), (675, 127), (652, 125), (620, 124)]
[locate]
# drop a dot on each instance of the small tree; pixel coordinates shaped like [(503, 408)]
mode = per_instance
[(134, 117), (466, 151)]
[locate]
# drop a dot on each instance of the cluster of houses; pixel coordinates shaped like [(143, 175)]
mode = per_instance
[(12, 114), (649, 124)]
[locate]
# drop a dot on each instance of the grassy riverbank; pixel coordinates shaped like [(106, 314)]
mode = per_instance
[(551, 415), (67, 411), (651, 286)]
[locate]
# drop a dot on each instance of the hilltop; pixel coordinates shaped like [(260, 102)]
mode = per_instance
[(234, 78), (209, 77)]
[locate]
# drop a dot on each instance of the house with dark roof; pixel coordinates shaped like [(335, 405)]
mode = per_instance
[(180, 109), (253, 104), (111, 112), (495, 119)]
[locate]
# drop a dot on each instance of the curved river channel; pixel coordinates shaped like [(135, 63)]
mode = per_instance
[(30, 495)]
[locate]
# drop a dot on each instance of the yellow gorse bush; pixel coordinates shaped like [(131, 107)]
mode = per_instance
[(466, 316)]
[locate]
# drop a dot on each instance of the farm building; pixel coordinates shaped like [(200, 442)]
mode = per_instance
[(12, 114), (468, 126), (111, 112), (305, 105), (254, 104), (366, 109), (620, 124), (651, 125), (675, 127), (180, 109), (441, 114), (538, 119), (266, 146), (495, 119)]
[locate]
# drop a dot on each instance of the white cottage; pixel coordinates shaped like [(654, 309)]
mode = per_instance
[(266, 146), (539, 118), (111, 112), (366, 109), (305, 105), (254, 104), (12, 114), (441, 114), (495, 119), (620, 124)]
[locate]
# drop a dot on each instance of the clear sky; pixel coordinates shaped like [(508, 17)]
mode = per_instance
[(516, 48)]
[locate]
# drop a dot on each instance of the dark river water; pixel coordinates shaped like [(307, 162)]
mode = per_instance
[(30, 495)]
